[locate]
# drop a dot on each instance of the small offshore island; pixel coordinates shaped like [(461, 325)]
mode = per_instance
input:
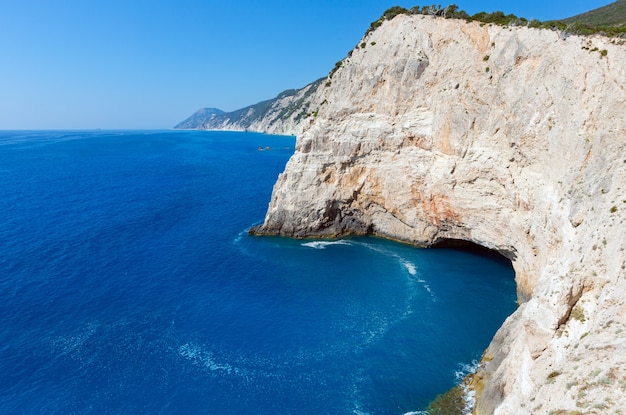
[(512, 137)]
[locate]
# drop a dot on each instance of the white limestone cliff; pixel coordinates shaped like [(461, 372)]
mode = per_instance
[(511, 138)]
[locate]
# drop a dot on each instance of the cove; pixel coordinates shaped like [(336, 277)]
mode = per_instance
[(397, 323), (130, 285)]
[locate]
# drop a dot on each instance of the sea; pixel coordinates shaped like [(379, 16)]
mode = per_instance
[(129, 285)]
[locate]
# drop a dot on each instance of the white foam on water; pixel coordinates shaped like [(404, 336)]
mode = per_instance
[(373, 248), (72, 344), (470, 402), (413, 277), (240, 243), (426, 286), (465, 369), (199, 357), (409, 266), (355, 394), (237, 239), (380, 327), (251, 368), (469, 395), (324, 244)]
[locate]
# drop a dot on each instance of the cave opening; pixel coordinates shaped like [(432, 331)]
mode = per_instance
[(506, 255)]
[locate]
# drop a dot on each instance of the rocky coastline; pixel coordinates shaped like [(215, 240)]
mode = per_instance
[(511, 138)]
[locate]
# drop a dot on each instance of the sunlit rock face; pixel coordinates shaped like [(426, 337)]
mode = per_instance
[(511, 138), (281, 115)]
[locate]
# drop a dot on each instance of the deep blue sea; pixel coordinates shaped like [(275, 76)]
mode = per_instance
[(128, 285)]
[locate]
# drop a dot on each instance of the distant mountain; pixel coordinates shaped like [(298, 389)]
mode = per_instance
[(198, 118), (289, 110), (281, 115), (613, 14)]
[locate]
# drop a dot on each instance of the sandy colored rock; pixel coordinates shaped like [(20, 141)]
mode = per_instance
[(511, 138)]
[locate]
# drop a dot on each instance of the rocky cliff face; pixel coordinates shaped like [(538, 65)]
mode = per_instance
[(285, 114), (199, 118), (511, 138)]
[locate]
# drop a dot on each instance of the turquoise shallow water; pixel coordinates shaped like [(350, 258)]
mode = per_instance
[(129, 285)]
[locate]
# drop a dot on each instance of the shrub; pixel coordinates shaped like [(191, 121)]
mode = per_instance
[(387, 15), (552, 376), (578, 314), (337, 66), (374, 25), (606, 28), (393, 12)]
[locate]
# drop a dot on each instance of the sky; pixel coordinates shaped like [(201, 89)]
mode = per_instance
[(149, 64)]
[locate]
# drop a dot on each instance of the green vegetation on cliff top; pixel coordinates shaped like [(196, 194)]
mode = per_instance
[(613, 15), (608, 20)]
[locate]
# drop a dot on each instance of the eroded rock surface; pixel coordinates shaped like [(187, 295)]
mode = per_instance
[(511, 138)]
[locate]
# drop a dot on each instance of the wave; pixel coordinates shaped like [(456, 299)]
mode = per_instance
[(465, 369), (324, 244), (469, 395)]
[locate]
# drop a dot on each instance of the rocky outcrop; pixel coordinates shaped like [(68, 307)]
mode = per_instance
[(284, 114), (511, 138)]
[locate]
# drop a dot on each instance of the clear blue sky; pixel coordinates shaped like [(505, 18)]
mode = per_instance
[(131, 64)]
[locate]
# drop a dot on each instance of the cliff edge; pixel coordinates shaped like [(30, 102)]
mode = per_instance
[(511, 138)]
